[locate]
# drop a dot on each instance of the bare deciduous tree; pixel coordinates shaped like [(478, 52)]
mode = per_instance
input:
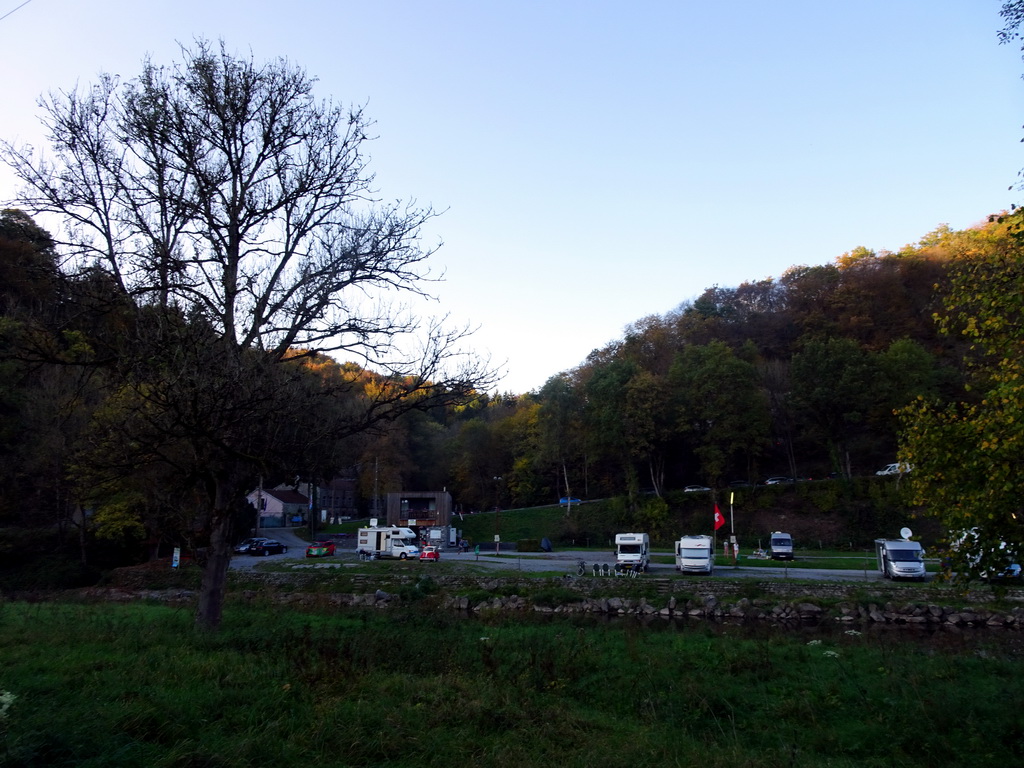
[(221, 190)]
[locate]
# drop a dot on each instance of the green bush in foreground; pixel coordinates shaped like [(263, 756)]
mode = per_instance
[(130, 685)]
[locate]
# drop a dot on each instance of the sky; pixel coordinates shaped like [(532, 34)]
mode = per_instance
[(600, 162)]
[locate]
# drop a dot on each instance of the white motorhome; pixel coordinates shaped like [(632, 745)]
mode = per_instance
[(900, 558), (695, 554), (780, 546), (632, 551), (388, 541)]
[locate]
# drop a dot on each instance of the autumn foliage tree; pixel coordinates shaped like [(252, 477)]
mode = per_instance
[(967, 454)]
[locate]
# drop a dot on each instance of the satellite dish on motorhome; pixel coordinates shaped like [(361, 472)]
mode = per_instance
[(906, 533)]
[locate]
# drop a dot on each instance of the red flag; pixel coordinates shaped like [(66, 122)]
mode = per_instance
[(719, 518)]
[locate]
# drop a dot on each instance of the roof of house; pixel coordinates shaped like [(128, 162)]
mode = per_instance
[(287, 496)]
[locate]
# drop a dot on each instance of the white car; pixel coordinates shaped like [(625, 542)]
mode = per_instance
[(894, 469), (695, 489)]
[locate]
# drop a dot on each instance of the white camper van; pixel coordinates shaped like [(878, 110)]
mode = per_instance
[(695, 554), (388, 541), (632, 551), (781, 546), (900, 558)]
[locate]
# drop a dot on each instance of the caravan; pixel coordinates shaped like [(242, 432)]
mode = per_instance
[(387, 541), (900, 558), (695, 554), (632, 552)]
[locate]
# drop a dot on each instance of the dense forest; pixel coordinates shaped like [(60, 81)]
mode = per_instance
[(801, 376)]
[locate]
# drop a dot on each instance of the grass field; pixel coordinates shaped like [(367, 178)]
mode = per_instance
[(133, 685)]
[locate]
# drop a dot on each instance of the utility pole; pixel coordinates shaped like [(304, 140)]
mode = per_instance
[(497, 515)]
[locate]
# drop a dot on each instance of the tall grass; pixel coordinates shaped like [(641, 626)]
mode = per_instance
[(134, 685)]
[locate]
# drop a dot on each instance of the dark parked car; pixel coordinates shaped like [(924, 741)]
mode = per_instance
[(245, 547), (268, 547)]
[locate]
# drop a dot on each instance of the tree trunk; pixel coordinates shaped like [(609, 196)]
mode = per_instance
[(215, 565)]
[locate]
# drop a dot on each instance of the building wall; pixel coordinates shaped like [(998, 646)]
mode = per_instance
[(427, 508), (276, 513)]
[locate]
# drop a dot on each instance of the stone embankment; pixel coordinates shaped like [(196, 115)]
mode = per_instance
[(758, 609), (654, 598)]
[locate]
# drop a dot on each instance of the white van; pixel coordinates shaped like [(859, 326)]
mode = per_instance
[(780, 546), (900, 558)]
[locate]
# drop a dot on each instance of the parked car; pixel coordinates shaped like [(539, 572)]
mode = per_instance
[(430, 553), (894, 469), (245, 546), (320, 548), (695, 489), (268, 547), (778, 480)]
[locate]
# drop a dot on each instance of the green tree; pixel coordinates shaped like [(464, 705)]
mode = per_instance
[(967, 455), (833, 384), (560, 436), (649, 424), (605, 395), (721, 408), (42, 408)]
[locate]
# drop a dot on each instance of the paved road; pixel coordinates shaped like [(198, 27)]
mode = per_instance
[(568, 560), (296, 549), (562, 560), (565, 560)]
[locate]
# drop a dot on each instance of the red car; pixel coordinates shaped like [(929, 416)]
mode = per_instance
[(430, 553), (321, 548)]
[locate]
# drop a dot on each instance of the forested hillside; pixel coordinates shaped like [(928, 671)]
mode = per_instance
[(799, 376)]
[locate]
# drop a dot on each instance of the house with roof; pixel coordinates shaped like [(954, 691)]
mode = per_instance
[(280, 507)]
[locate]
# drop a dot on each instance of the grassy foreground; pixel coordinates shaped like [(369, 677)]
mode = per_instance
[(133, 685)]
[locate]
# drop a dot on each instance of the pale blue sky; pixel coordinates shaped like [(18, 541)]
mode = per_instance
[(600, 162)]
